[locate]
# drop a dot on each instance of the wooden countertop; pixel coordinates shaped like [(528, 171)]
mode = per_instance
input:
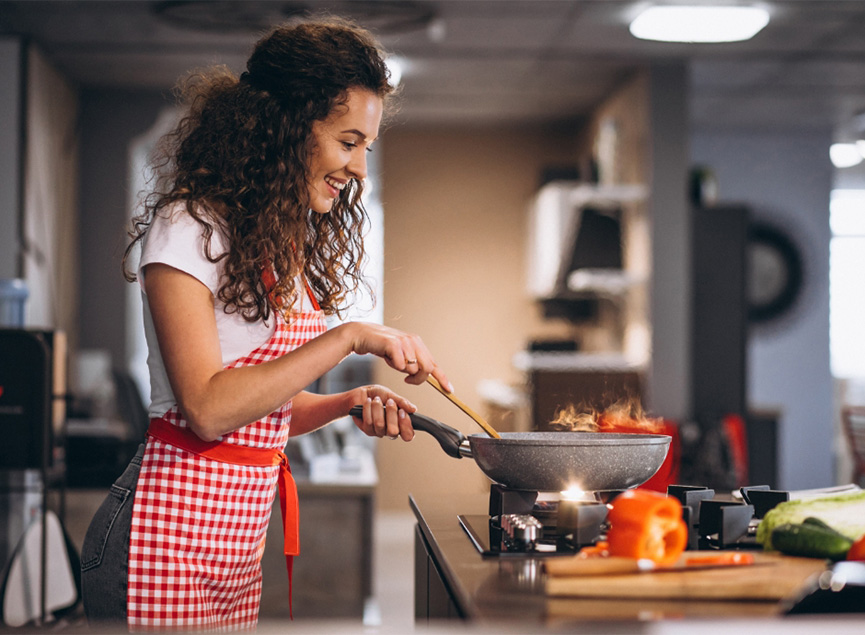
[(496, 589)]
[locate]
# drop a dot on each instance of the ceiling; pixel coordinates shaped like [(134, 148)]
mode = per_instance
[(487, 61)]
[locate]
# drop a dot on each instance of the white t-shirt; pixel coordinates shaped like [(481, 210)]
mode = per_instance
[(176, 239)]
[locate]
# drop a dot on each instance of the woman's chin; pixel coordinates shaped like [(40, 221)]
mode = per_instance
[(322, 209)]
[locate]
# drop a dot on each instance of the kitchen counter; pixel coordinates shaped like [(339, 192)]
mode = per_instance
[(453, 581)]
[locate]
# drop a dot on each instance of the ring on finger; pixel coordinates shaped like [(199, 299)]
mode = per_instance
[(411, 361)]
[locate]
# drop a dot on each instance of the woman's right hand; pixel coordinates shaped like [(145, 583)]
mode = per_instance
[(402, 351)]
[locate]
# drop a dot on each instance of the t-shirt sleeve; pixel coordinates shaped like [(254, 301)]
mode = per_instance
[(176, 239)]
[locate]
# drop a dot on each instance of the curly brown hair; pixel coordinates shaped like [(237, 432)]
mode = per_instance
[(239, 160)]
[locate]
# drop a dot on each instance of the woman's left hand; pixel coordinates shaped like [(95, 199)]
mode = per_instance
[(385, 413)]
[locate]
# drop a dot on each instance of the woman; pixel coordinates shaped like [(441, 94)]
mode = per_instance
[(255, 236)]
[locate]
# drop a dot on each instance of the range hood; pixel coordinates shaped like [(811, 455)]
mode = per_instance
[(575, 241)]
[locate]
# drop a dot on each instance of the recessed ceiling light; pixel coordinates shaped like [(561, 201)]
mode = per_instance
[(844, 155), (699, 23)]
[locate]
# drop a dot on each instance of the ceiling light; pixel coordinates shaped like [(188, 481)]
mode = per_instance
[(699, 23), (845, 155)]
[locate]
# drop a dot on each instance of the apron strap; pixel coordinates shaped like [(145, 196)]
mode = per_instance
[(268, 278), (186, 439)]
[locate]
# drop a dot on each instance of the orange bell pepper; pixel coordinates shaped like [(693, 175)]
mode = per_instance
[(647, 524)]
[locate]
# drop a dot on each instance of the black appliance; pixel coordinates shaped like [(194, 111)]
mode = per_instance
[(32, 414), (32, 396)]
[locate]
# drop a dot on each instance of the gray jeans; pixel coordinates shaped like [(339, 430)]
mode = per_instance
[(105, 552)]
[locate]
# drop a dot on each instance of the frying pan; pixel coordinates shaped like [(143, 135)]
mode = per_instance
[(553, 461)]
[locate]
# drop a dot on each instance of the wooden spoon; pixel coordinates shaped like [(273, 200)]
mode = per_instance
[(459, 404)]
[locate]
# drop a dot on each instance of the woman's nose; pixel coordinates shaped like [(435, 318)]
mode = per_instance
[(357, 165)]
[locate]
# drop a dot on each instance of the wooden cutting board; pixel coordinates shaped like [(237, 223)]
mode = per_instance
[(772, 577)]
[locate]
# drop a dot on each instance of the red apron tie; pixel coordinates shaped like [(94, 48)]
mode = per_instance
[(186, 439), (268, 277)]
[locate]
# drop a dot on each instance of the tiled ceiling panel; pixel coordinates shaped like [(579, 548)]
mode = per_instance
[(478, 61)]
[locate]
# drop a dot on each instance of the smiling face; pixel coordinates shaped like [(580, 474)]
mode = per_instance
[(341, 143)]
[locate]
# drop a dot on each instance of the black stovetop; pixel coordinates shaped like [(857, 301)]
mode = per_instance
[(713, 522), (489, 539)]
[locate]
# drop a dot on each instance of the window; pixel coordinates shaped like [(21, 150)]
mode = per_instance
[(847, 284)]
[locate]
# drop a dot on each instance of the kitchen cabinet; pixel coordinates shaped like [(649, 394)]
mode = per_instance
[(434, 600), (587, 382), (333, 574), (588, 391), (720, 321)]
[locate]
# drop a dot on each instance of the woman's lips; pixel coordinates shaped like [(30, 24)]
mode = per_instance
[(334, 187)]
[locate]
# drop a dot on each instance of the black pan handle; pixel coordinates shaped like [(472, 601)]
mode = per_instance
[(449, 438)]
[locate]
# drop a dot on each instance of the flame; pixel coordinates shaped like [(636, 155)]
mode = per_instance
[(621, 416), (575, 493)]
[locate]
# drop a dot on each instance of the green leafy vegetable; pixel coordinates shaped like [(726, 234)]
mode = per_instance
[(844, 513)]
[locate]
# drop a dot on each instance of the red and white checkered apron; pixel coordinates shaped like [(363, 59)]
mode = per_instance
[(199, 525)]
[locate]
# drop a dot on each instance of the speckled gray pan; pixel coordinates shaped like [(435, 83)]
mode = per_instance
[(555, 461)]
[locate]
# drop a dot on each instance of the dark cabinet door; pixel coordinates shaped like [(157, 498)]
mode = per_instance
[(719, 327)]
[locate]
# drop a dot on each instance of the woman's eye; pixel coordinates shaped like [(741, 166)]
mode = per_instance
[(349, 145)]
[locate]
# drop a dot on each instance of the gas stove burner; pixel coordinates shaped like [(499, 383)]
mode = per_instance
[(549, 527), (581, 523), (525, 536), (715, 523), (521, 530)]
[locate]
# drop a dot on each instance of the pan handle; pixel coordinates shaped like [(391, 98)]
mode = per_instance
[(453, 442)]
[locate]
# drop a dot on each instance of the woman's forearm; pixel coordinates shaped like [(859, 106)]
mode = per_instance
[(310, 411), (235, 397)]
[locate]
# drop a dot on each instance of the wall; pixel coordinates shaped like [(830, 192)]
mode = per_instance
[(670, 304), (11, 153), (455, 206), (50, 225), (786, 177), (38, 185), (110, 119)]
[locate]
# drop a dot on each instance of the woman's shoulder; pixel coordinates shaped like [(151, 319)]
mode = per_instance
[(183, 213), (177, 239), (176, 221)]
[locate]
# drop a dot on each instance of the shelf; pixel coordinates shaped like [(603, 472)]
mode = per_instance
[(527, 361), (585, 195)]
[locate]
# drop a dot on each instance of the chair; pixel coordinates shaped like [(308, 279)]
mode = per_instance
[(130, 404), (853, 421), (737, 439), (98, 450)]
